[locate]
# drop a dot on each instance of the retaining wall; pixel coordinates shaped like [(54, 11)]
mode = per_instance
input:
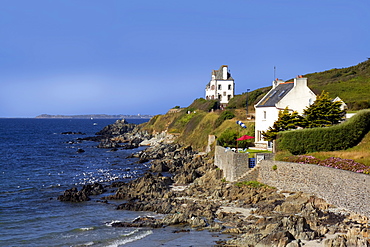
[(233, 164), (341, 188)]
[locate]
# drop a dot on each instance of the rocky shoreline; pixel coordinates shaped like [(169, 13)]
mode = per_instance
[(189, 190)]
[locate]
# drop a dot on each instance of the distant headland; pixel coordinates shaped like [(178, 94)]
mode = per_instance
[(96, 116)]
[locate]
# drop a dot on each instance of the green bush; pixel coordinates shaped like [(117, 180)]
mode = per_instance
[(223, 116), (253, 184), (228, 138), (203, 104), (337, 137)]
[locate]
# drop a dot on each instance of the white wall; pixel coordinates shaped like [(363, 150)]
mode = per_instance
[(299, 98), (224, 91), (262, 123)]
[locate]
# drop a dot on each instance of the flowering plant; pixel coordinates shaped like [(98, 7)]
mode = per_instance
[(334, 162)]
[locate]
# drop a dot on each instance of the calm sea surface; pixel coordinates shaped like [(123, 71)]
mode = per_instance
[(37, 163)]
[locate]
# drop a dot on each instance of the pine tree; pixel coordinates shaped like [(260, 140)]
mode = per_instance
[(286, 121), (323, 112)]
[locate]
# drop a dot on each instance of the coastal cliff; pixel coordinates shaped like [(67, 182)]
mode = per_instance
[(194, 194)]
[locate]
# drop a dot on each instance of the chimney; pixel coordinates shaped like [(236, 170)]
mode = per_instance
[(300, 81), (276, 82), (224, 72)]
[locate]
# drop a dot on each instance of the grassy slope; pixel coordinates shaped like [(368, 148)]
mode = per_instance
[(193, 129), (359, 153), (351, 84)]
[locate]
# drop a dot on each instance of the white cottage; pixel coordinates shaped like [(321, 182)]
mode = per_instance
[(295, 95), (221, 86)]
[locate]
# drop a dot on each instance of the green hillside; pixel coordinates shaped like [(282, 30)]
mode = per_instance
[(193, 124), (351, 84)]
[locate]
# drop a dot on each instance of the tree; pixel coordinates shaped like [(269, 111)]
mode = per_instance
[(286, 121), (323, 112)]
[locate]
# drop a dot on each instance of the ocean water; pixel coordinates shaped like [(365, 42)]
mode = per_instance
[(37, 163)]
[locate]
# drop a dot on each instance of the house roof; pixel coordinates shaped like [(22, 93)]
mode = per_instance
[(219, 73), (276, 94)]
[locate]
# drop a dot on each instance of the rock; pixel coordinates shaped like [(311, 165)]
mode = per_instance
[(159, 167), (80, 150), (72, 133), (140, 222), (73, 195), (117, 128), (93, 189), (278, 239)]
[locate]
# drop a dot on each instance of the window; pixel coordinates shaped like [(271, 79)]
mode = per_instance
[(281, 94), (213, 87), (219, 96), (229, 87), (224, 93), (219, 87), (264, 114), (229, 97)]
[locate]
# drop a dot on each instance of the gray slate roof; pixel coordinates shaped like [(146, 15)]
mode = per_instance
[(218, 73), (275, 95)]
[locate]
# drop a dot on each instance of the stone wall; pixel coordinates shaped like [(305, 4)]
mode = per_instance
[(233, 164), (341, 188)]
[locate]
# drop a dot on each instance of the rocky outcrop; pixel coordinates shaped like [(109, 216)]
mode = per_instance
[(73, 133), (190, 191), (120, 127), (73, 195), (254, 216)]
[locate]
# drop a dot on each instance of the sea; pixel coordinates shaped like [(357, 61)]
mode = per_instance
[(38, 163)]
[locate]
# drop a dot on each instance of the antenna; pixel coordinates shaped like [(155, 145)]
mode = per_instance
[(274, 72)]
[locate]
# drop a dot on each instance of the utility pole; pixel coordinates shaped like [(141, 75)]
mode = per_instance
[(246, 102)]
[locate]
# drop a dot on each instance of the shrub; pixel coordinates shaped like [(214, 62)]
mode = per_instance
[(253, 184), (223, 116), (338, 137), (203, 105), (228, 138)]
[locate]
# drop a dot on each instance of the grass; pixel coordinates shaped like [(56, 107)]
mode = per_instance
[(351, 84), (355, 159), (359, 153), (253, 184)]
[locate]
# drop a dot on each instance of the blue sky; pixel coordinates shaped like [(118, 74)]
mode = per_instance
[(130, 57)]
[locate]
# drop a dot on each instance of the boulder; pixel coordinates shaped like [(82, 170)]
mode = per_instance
[(73, 195)]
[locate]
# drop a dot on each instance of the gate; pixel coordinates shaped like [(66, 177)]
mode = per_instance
[(251, 162)]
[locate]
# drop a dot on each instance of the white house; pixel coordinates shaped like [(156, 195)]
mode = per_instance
[(295, 95), (221, 86)]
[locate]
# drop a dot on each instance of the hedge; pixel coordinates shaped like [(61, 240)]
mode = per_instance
[(337, 137)]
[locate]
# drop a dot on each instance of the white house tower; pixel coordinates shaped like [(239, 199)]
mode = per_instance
[(221, 86)]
